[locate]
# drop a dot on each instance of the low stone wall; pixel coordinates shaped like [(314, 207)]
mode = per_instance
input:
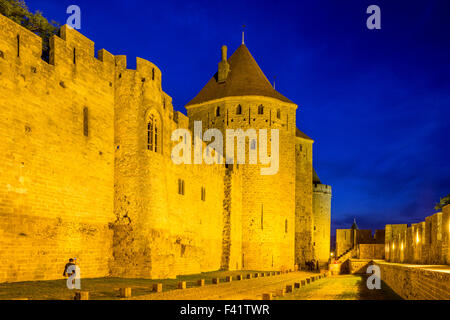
[(359, 266), (416, 282)]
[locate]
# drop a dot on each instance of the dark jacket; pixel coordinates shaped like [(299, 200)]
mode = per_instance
[(67, 266)]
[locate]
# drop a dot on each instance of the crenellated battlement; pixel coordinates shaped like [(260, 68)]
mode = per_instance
[(321, 188), (70, 53)]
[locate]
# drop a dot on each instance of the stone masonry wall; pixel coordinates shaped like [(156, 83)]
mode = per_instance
[(322, 222), (426, 242), (160, 232), (56, 175), (414, 283), (268, 206), (304, 219)]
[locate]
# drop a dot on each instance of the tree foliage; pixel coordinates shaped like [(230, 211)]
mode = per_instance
[(444, 201), (18, 11)]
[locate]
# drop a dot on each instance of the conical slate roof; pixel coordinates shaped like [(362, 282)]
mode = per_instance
[(301, 134), (245, 79), (316, 179)]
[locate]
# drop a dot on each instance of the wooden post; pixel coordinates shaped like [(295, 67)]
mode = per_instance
[(125, 292), (81, 295), (267, 296), (157, 287)]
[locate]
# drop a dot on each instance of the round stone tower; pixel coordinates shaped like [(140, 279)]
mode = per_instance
[(239, 96), (322, 219)]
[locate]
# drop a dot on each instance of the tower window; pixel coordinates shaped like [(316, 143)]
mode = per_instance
[(262, 216), (18, 45), (86, 121), (239, 109), (203, 194), (152, 133), (278, 113), (181, 186), (153, 73), (261, 109), (285, 226), (218, 112)]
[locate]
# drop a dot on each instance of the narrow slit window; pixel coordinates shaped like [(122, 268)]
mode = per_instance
[(285, 226), (218, 112), (181, 186), (239, 109), (262, 217), (86, 121), (261, 109), (203, 194), (18, 45), (150, 134), (278, 113), (74, 56)]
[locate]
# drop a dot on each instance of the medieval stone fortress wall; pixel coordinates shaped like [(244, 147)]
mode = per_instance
[(426, 242), (413, 261), (86, 169)]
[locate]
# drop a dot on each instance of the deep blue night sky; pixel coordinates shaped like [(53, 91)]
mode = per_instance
[(376, 102)]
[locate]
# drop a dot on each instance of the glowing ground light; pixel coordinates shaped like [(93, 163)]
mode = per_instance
[(417, 237), (401, 248)]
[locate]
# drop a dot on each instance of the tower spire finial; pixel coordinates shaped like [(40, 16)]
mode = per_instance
[(243, 28)]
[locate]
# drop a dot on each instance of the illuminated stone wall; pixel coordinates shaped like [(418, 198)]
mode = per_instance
[(426, 242), (56, 178), (77, 178)]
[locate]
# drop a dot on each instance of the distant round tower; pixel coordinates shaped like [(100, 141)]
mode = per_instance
[(322, 219), (239, 96)]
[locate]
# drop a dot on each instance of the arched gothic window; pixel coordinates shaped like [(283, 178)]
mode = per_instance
[(153, 133), (218, 112), (239, 109)]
